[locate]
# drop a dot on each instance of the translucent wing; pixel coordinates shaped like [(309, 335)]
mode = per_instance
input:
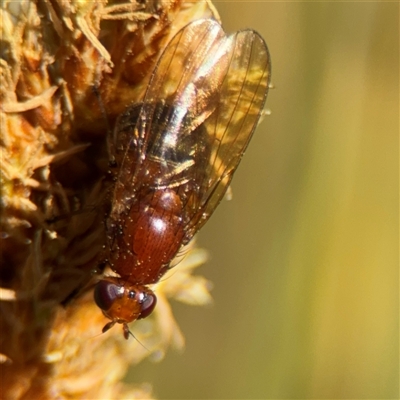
[(181, 93), (242, 97), (201, 107)]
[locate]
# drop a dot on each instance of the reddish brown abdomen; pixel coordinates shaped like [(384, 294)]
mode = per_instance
[(151, 236)]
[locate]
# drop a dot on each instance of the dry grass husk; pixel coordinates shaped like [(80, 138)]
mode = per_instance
[(53, 203)]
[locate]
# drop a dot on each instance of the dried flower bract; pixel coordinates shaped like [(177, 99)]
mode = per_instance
[(68, 69)]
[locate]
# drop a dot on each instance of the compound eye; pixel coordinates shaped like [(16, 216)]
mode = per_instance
[(105, 293), (148, 303)]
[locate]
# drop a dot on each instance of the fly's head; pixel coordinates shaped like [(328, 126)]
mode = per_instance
[(123, 303)]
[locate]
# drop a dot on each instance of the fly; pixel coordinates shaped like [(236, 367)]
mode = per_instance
[(176, 155)]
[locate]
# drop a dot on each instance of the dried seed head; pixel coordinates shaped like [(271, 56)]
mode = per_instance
[(67, 70)]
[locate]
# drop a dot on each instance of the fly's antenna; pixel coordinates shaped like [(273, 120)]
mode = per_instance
[(127, 332)]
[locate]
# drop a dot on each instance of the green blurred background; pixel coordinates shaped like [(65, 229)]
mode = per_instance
[(304, 259)]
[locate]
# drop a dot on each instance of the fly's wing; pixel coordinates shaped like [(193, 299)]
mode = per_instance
[(164, 146), (241, 99), (201, 107)]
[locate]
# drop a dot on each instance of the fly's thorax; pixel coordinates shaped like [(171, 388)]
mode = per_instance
[(149, 237)]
